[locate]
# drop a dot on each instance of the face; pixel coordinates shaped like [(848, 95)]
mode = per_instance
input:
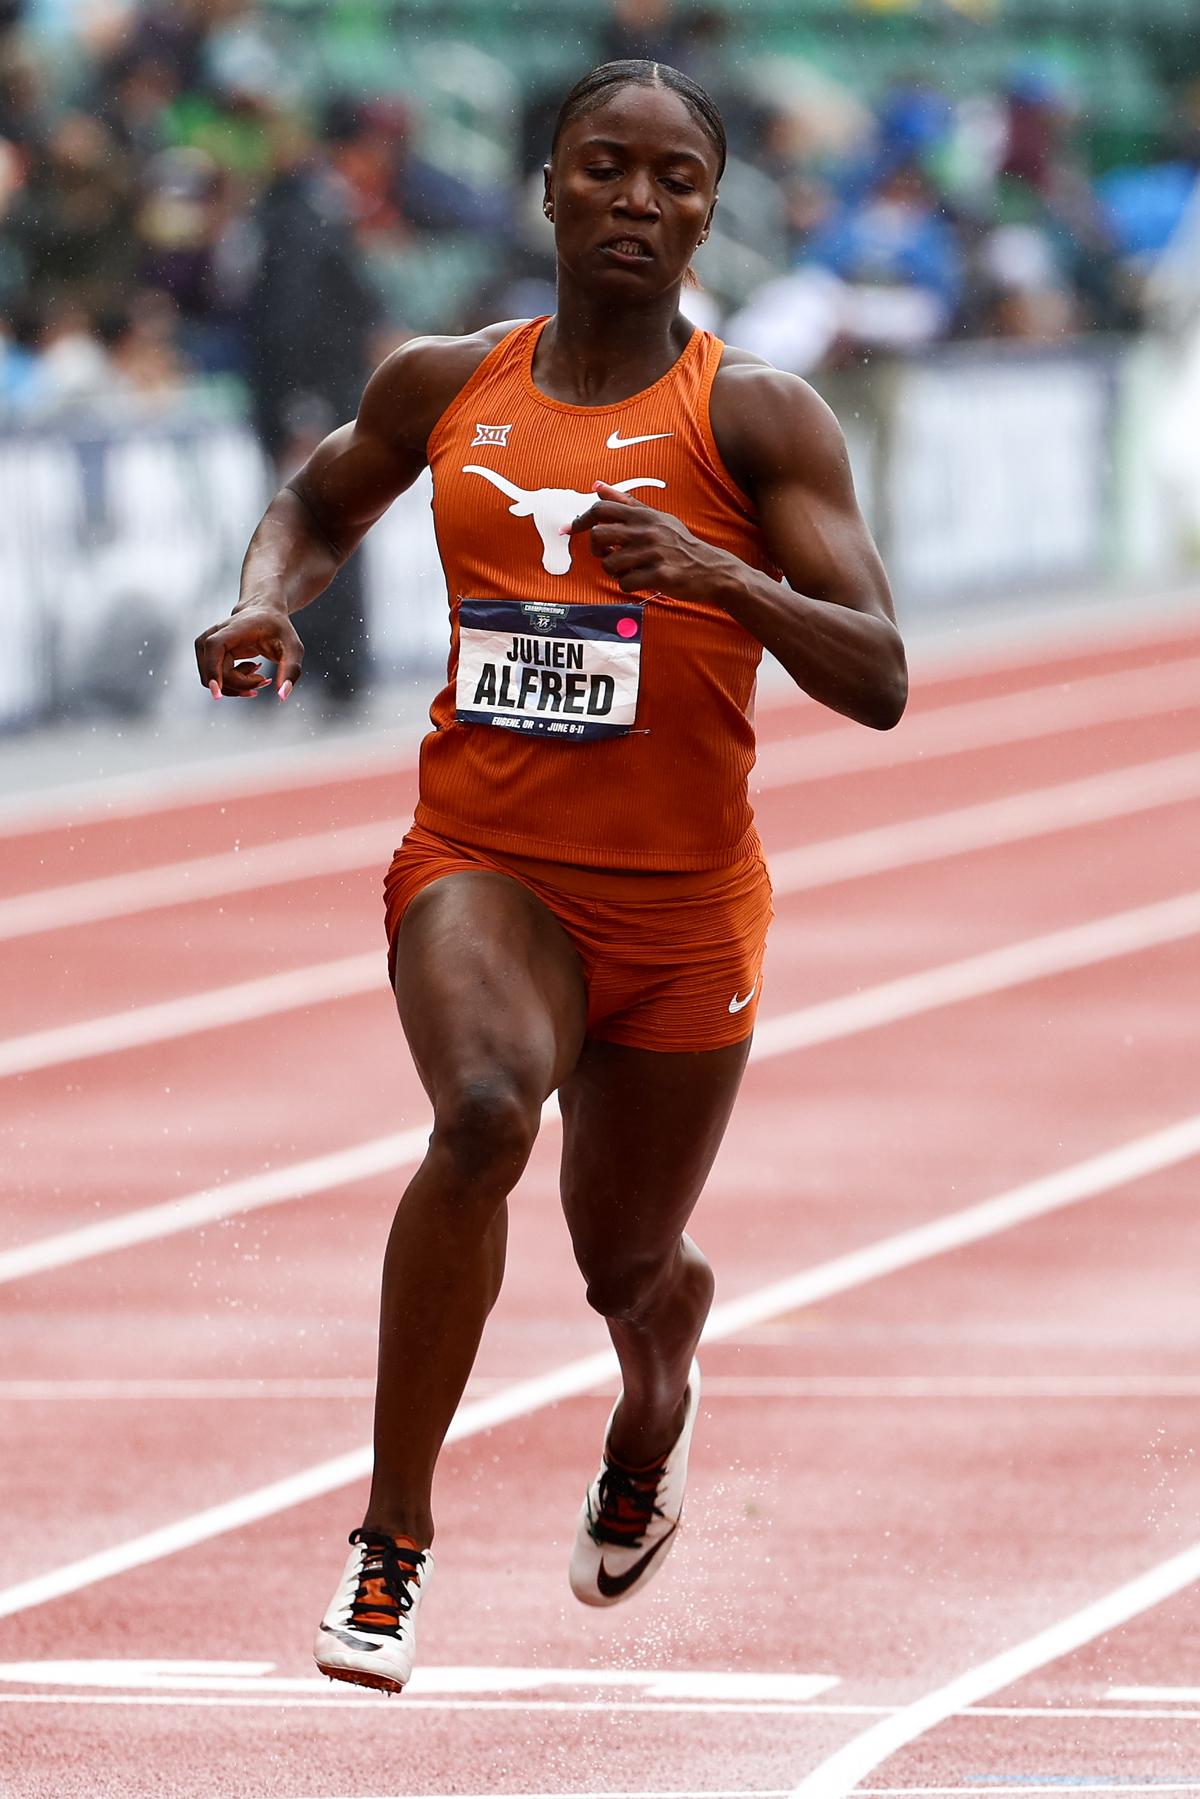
[(633, 187)]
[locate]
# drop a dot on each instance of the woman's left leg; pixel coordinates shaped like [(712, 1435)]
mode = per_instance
[(641, 1129)]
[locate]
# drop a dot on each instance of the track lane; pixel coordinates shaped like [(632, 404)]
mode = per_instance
[(1011, 967), (874, 783), (989, 722), (250, 1271), (1017, 1238), (73, 1133), (111, 806), (63, 853), (281, 934), (773, 1508), (264, 912), (1139, 1010)]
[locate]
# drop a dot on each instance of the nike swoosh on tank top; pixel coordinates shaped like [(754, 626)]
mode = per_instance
[(579, 724)]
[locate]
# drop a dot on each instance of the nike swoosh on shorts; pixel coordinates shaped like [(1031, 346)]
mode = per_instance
[(737, 1005), (617, 442), (613, 1585)]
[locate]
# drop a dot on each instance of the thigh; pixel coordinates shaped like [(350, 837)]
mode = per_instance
[(683, 972), (641, 1130), (488, 981)]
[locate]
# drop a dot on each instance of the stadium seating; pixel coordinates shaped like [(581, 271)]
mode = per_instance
[(1116, 58)]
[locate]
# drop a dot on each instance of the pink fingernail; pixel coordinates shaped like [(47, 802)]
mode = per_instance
[(285, 690), (214, 689)]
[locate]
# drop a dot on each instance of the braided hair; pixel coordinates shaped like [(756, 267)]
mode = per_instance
[(594, 88)]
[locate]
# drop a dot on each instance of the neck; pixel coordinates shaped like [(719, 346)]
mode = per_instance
[(594, 353)]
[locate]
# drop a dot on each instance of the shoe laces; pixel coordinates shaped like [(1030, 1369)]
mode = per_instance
[(389, 1570), (627, 1504)]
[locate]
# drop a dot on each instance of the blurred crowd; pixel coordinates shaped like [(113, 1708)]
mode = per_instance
[(154, 184), (979, 217), (179, 210)]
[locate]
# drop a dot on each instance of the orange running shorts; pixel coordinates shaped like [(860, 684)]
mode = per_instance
[(672, 962)]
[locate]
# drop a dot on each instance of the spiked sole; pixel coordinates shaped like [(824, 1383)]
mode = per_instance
[(382, 1683)]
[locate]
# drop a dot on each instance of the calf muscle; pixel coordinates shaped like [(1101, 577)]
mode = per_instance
[(492, 1002)]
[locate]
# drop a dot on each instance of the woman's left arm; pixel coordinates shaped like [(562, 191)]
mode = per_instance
[(832, 627)]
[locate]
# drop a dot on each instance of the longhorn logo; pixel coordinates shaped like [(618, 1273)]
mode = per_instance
[(551, 508)]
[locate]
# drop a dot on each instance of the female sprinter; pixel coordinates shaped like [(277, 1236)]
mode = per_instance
[(581, 904)]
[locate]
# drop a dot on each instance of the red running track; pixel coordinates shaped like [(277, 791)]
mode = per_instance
[(942, 1533)]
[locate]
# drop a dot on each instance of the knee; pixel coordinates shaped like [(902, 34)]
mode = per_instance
[(624, 1288), (486, 1128)]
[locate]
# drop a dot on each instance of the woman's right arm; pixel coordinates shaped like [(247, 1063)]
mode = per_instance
[(321, 516)]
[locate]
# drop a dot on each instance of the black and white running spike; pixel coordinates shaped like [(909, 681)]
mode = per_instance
[(368, 1634), (629, 1517)]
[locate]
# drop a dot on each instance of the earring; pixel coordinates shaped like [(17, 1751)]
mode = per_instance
[(549, 211)]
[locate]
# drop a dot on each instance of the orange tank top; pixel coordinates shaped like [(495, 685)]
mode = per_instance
[(578, 724)]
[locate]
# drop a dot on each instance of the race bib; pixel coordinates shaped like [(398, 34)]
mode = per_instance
[(547, 670)]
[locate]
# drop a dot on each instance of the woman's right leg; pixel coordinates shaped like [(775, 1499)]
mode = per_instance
[(492, 1000)]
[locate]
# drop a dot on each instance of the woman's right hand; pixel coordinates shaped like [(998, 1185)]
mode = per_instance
[(260, 629)]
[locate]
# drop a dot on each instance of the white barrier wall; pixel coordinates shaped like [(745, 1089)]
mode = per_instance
[(117, 547), (998, 474), (408, 613), (981, 470), (986, 469)]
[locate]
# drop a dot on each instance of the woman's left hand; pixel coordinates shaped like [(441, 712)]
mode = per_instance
[(647, 551)]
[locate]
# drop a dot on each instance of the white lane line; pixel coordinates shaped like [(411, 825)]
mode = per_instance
[(1038, 812), (700, 1684), (1001, 1786), (292, 990), (229, 774), (328, 1699), (570, 1707), (258, 771), (973, 977), (200, 878), (841, 1773), (966, 726), (938, 1386), (131, 1675), (320, 1387), (868, 1387), (994, 971), (324, 1694), (1157, 1695), (886, 848), (1059, 1788), (1035, 1199), (1038, 642), (1068, 1712), (275, 1186), (1161, 782), (954, 1230), (1163, 1788)]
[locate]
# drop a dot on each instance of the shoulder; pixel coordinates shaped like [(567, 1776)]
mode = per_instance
[(769, 424), (411, 388), (444, 364)]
